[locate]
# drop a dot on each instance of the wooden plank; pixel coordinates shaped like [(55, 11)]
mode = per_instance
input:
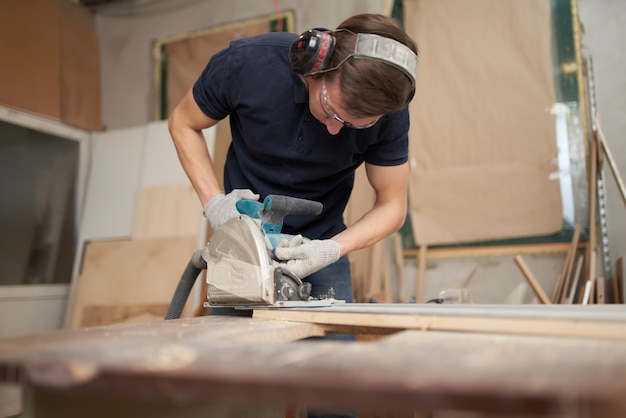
[(562, 284), (600, 290), (587, 294), (421, 276), (492, 250), (534, 284), (612, 165), (106, 315), (619, 280), (539, 312), (576, 281), (398, 262), (562, 323), (593, 202)]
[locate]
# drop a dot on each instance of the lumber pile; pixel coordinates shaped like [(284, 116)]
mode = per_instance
[(579, 281)]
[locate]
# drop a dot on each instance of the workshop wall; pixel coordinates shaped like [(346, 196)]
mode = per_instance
[(128, 35)]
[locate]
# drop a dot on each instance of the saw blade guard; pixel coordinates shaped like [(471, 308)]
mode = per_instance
[(240, 271), (239, 256), (239, 268)]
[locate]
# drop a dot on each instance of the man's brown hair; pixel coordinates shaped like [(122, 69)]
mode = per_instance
[(370, 87)]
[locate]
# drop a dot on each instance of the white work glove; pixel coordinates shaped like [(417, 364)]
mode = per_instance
[(221, 208), (303, 257)]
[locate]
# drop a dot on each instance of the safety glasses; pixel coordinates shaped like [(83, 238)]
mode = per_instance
[(328, 109)]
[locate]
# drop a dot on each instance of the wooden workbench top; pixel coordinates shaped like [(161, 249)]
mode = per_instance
[(412, 368)]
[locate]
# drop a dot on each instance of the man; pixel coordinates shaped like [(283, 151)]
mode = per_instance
[(305, 112)]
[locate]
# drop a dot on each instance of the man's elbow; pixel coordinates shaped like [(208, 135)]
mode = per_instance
[(400, 218), (177, 126), (172, 121)]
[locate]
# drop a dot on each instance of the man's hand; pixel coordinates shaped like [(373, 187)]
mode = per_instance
[(221, 208), (303, 257)]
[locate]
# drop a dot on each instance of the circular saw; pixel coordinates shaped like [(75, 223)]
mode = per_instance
[(240, 264)]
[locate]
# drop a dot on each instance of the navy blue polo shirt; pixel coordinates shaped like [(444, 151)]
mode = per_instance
[(278, 146)]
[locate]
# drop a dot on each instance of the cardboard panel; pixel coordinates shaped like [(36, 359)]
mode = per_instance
[(483, 141)]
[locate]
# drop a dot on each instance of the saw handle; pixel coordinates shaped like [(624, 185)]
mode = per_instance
[(274, 208)]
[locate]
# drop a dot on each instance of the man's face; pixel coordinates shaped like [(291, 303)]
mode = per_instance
[(326, 104)]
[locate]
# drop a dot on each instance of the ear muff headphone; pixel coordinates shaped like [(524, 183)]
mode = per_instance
[(311, 53)]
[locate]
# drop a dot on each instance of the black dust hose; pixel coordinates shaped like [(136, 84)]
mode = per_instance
[(187, 280)]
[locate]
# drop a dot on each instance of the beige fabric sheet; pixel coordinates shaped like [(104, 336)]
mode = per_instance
[(483, 142)]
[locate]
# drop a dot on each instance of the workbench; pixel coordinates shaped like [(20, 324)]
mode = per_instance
[(536, 360)]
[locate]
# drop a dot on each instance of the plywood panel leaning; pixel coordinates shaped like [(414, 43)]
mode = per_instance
[(128, 273)]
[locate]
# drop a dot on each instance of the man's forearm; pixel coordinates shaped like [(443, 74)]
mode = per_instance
[(196, 162), (185, 125), (374, 226)]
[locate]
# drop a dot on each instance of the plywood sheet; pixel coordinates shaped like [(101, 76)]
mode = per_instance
[(50, 61), (29, 46), (80, 103), (167, 211), (97, 315), (483, 143), (126, 273)]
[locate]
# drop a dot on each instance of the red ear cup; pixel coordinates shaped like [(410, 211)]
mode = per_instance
[(311, 52)]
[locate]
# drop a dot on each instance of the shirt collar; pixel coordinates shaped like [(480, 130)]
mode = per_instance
[(300, 90)]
